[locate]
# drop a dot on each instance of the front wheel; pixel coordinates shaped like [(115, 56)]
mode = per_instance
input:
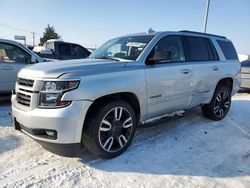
[(109, 131), (219, 106)]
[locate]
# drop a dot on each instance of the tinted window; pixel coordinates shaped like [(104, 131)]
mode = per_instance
[(168, 49), (212, 51), (64, 49), (228, 50), (79, 51), (12, 54), (198, 49), (245, 63)]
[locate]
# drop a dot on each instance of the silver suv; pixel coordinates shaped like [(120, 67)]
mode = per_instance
[(99, 101)]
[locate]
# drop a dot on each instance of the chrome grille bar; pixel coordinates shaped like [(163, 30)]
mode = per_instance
[(25, 82)]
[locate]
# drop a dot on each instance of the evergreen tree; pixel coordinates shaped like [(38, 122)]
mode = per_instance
[(49, 33)]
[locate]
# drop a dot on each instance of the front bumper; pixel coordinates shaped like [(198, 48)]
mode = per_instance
[(66, 122)]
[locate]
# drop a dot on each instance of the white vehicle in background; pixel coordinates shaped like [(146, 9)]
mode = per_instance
[(42, 50), (13, 57), (60, 50)]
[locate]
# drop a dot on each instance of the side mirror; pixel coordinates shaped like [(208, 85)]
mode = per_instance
[(158, 57), (52, 51), (150, 60)]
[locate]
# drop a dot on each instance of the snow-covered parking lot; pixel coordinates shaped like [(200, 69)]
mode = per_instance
[(188, 151)]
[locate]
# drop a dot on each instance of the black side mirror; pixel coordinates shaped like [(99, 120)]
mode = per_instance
[(52, 51), (150, 60)]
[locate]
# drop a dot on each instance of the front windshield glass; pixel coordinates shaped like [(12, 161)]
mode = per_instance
[(128, 48)]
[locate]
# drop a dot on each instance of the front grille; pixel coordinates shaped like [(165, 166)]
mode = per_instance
[(25, 82), (23, 99)]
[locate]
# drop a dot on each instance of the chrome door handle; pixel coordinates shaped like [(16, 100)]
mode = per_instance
[(215, 68), (186, 71), (7, 68)]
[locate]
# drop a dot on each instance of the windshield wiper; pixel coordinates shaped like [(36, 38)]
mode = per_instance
[(110, 58)]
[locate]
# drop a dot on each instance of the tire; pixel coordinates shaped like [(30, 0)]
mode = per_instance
[(220, 104), (109, 131)]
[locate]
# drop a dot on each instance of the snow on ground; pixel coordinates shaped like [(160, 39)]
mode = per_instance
[(188, 151)]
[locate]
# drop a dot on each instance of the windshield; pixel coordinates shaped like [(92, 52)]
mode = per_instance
[(128, 48)]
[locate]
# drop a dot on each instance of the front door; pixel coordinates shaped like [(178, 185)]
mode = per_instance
[(169, 77)]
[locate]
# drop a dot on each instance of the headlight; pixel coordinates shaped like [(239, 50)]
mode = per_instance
[(51, 93)]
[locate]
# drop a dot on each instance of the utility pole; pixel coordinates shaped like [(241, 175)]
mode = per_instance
[(206, 16), (33, 35)]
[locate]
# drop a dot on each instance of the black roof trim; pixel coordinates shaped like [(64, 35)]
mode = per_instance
[(195, 32)]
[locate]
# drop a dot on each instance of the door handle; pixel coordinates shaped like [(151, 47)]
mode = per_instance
[(186, 71), (215, 68), (7, 68)]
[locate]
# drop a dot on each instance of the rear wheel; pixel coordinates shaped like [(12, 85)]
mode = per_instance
[(109, 131), (219, 106)]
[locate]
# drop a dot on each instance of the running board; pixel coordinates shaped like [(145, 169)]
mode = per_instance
[(177, 113)]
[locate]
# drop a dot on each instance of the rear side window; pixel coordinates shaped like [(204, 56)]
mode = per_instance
[(228, 49), (64, 49), (199, 49)]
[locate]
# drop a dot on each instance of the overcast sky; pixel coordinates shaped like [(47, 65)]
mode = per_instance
[(92, 22)]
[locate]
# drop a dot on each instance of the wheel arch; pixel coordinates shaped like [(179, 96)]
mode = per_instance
[(128, 97), (228, 81)]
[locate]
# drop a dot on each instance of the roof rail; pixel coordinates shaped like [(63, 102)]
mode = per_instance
[(195, 32)]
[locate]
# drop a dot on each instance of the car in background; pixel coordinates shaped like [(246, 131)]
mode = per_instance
[(58, 49), (245, 74), (13, 57)]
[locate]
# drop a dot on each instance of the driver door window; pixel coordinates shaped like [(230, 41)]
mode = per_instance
[(168, 49), (13, 54)]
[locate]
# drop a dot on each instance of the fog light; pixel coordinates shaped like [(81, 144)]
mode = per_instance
[(50, 133)]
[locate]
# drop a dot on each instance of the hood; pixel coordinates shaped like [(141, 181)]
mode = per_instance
[(80, 67)]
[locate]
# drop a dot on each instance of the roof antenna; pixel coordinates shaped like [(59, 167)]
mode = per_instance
[(150, 30)]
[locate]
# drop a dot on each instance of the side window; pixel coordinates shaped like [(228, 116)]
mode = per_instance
[(168, 49), (64, 49), (199, 49), (228, 50), (12, 54), (79, 51), (50, 45)]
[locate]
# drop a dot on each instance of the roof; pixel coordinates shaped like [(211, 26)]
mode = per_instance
[(200, 33), (10, 41), (177, 32)]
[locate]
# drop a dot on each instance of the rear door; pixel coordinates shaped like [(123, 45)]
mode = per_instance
[(168, 77), (205, 63), (12, 59)]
